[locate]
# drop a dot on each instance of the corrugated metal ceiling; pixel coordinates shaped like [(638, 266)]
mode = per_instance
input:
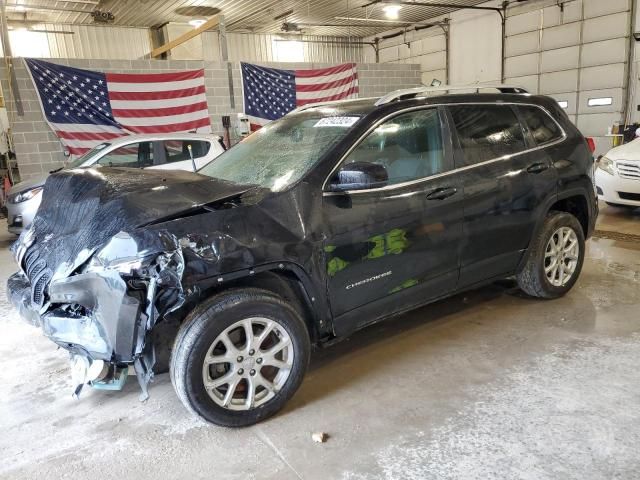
[(241, 15)]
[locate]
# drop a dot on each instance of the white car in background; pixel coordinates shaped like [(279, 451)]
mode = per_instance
[(168, 151), (618, 175)]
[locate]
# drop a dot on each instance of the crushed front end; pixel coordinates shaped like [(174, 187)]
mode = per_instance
[(96, 276), (102, 306)]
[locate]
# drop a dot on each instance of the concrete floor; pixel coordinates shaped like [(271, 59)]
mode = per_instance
[(484, 385)]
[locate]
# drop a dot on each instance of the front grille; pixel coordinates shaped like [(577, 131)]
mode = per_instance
[(629, 170), (38, 274), (30, 260), (629, 196), (37, 290)]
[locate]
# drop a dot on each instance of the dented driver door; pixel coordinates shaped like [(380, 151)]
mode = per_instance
[(394, 218)]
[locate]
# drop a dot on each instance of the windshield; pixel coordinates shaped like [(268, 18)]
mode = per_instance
[(279, 154), (87, 156)]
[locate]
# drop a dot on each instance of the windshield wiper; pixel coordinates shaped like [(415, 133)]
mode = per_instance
[(56, 170)]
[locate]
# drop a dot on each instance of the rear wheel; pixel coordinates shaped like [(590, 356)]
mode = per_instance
[(555, 258), (239, 357)]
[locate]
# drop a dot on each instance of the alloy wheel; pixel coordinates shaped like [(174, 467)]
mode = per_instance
[(561, 256), (248, 363)]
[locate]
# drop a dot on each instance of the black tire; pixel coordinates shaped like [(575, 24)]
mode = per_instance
[(532, 278), (620, 205), (200, 330)]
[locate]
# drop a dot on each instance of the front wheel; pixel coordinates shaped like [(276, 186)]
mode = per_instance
[(239, 357), (555, 258)]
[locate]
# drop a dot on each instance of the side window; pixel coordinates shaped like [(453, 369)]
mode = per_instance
[(134, 155), (487, 132), (404, 148), (178, 150), (543, 128)]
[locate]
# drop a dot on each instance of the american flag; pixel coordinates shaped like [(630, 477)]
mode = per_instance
[(270, 93), (85, 108)]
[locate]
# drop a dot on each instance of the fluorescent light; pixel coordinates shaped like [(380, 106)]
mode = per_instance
[(391, 11), (19, 8), (197, 22), (600, 101), (377, 20), (563, 103)]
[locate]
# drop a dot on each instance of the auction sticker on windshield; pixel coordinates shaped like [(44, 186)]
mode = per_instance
[(336, 121)]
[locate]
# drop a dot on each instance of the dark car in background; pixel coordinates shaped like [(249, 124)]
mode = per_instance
[(325, 221)]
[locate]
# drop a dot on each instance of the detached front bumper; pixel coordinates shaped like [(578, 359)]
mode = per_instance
[(89, 314)]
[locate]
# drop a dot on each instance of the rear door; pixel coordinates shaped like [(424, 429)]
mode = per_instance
[(394, 246), (507, 179)]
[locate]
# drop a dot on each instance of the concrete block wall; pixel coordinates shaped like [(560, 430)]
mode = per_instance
[(38, 150)]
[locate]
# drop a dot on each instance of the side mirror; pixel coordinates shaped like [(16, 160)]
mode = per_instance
[(359, 176)]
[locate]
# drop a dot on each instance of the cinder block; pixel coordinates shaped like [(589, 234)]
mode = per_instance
[(211, 65), (50, 147), (176, 64), (52, 165), (22, 127), (29, 169), (32, 106), (216, 73), (194, 64), (221, 91), (120, 64), (25, 148), (36, 137), (141, 64), (99, 65)]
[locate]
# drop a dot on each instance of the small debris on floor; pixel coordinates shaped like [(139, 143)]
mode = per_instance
[(319, 437)]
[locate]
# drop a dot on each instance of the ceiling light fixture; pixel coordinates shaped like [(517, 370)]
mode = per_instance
[(196, 22), (391, 11), (19, 8), (376, 20)]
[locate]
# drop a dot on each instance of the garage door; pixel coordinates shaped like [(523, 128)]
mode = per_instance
[(576, 54)]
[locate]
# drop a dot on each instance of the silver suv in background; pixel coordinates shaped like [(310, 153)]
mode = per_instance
[(162, 151)]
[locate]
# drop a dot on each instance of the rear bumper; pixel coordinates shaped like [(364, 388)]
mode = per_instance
[(89, 314)]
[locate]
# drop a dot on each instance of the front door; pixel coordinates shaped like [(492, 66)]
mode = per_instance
[(392, 243)]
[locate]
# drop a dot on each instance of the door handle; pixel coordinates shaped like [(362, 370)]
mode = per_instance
[(537, 168), (442, 193)]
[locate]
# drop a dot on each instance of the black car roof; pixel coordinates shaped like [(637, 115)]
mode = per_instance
[(365, 106)]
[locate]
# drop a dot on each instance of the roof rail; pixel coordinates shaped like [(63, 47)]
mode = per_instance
[(408, 93)]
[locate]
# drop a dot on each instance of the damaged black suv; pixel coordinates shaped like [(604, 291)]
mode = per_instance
[(325, 221)]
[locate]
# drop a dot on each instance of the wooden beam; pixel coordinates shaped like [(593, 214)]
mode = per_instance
[(212, 22)]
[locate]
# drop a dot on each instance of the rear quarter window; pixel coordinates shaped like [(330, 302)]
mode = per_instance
[(487, 132), (543, 128), (178, 150)]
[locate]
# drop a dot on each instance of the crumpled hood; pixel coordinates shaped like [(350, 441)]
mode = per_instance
[(82, 209), (127, 198)]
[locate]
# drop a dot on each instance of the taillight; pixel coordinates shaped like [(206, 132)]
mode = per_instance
[(591, 143)]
